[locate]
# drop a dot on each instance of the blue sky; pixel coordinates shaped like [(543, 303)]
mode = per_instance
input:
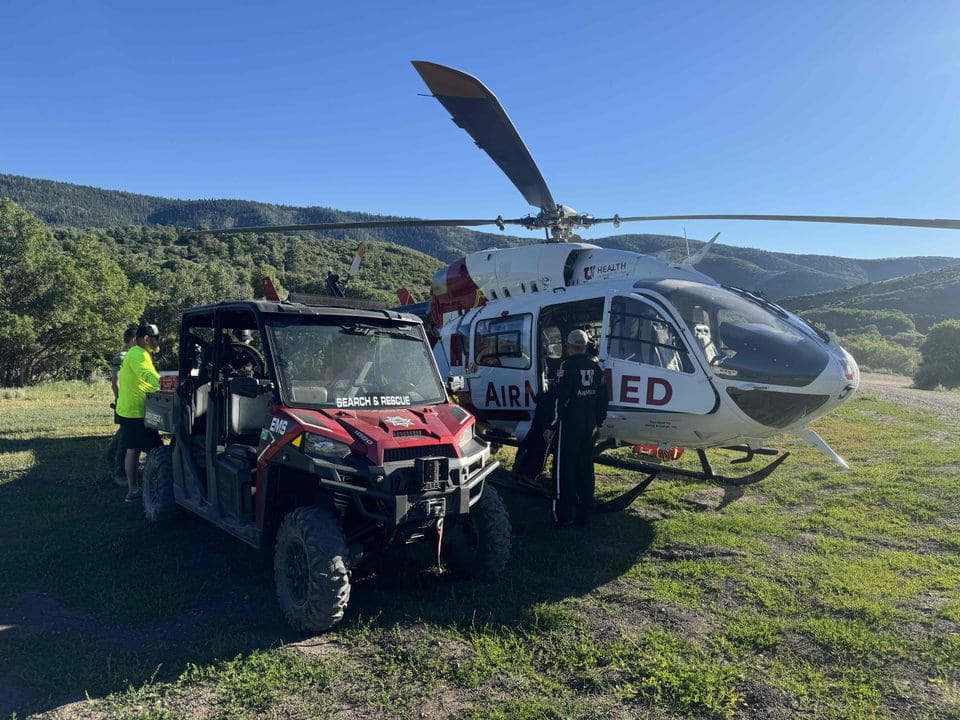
[(628, 107)]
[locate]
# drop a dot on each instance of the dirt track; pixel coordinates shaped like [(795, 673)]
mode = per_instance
[(898, 389)]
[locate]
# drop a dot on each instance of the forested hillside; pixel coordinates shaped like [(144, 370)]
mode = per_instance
[(104, 244), (67, 294), (777, 275), (63, 204), (926, 298), (888, 324)]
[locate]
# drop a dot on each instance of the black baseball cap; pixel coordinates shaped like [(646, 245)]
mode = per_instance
[(148, 329)]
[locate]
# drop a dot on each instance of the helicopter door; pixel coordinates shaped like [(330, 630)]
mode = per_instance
[(556, 322), (503, 366), (648, 366)]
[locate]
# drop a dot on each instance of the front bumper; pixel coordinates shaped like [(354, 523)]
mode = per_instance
[(450, 486)]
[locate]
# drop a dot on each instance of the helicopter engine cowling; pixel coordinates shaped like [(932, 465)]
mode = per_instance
[(500, 273)]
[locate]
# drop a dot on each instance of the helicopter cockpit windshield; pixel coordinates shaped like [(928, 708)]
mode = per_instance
[(741, 336)]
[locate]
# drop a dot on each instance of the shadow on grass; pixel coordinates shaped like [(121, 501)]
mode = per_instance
[(95, 600), (548, 565)]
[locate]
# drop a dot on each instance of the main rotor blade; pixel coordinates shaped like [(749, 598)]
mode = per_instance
[(362, 224), (946, 224), (477, 110)]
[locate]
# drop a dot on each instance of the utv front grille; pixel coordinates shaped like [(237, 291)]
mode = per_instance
[(419, 451)]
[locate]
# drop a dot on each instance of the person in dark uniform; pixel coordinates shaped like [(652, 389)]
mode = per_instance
[(534, 448), (581, 410)]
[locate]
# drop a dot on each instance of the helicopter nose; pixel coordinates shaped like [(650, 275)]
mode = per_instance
[(851, 374)]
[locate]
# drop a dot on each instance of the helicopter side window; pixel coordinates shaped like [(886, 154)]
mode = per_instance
[(504, 342), (641, 334)]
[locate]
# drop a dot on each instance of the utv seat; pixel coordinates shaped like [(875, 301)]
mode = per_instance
[(246, 417)]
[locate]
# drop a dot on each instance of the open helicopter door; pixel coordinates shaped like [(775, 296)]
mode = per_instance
[(500, 370), (654, 378)]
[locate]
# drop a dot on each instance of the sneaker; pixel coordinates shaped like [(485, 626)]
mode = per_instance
[(132, 496)]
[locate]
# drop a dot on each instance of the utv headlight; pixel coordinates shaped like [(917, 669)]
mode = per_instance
[(468, 443), (324, 448)]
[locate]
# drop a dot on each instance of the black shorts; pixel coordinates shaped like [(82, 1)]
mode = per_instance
[(134, 436)]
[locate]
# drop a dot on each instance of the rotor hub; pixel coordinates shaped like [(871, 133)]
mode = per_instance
[(560, 222)]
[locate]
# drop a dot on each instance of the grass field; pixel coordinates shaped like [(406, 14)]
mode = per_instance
[(815, 594)]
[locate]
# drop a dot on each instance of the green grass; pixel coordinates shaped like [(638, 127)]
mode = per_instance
[(815, 594)]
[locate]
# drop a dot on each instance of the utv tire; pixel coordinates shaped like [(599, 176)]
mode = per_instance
[(310, 569), (478, 545), (158, 503)]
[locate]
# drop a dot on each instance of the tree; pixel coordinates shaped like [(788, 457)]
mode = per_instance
[(62, 313), (179, 284), (94, 303), (941, 356), (28, 265)]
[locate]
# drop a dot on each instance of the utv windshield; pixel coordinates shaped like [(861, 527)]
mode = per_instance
[(742, 336), (350, 364)]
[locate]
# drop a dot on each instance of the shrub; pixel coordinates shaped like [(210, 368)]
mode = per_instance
[(855, 321), (941, 357), (874, 352)]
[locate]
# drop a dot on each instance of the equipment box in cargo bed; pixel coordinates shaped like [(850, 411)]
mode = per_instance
[(159, 410)]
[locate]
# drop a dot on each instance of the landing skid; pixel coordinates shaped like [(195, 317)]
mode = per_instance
[(705, 474), (508, 480), (654, 470)]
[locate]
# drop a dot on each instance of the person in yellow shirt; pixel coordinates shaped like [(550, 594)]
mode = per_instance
[(137, 377)]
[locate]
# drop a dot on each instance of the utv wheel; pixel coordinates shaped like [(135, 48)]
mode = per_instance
[(478, 545), (310, 569), (158, 503)]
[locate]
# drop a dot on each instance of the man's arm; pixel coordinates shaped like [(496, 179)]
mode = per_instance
[(147, 376)]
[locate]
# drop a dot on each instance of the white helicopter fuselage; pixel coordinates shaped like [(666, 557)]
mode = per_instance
[(687, 362)]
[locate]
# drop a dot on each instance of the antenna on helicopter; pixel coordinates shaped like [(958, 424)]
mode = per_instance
[(335, 286), (700, 254), (687, 242), (355, 264)]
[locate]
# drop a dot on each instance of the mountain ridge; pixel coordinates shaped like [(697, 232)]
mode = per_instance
[(777, 275), (926, 298)]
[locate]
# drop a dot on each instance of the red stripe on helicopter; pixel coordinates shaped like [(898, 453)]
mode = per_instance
[(453, 290)]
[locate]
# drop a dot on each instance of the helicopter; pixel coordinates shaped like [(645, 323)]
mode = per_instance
[(687, 362)]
